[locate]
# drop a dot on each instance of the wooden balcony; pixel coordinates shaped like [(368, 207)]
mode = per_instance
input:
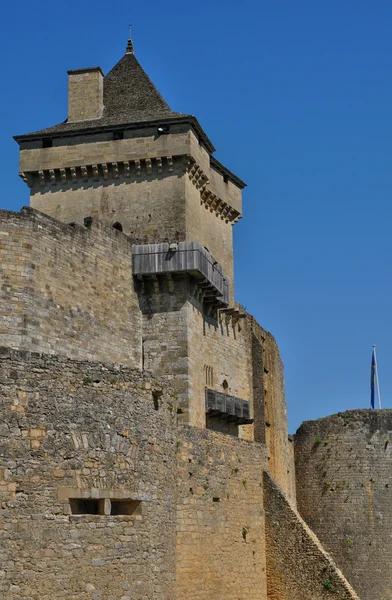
[(227, 407), (189, 258)]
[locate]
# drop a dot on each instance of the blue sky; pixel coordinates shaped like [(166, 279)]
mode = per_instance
[(297, 99)]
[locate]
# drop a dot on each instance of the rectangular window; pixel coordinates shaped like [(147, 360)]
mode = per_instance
[(91, 506), (86, 506), (126, 507)]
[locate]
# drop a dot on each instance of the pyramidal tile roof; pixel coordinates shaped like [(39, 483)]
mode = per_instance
[(131, 100), (129, 97), (129, 94)]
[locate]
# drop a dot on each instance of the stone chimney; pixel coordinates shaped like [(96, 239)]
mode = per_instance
[(85, 94)]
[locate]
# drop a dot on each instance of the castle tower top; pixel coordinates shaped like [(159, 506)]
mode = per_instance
[(128, 99)]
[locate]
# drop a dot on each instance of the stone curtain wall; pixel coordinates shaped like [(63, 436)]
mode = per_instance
[(72, 428), (67, 290), (344, 492), (298, 568), (270, 405), (220, 517)]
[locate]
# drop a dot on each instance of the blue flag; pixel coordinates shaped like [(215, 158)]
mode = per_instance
[(372, 378)]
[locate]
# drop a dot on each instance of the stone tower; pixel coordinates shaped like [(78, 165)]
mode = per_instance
[(143, 435), (125, 159), (124, 156)]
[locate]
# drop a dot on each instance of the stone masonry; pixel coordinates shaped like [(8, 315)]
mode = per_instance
[(144, 451), (344, 465)]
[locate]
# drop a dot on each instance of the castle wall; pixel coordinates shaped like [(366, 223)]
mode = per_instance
[(270, 406), (67, 290), (343, 467), (220, 517), (298, 568), (80, 429)]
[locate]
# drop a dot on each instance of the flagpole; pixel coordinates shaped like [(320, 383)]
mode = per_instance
[(378, 383)]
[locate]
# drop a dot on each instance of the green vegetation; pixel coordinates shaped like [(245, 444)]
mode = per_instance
[(329, 584), (245, 531)]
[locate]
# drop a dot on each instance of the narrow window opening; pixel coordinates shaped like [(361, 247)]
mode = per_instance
[(209, 376), (225, 385), (117, 226), (47, 143), (86, 506), (216, 499), (126, 507), (118, 135)]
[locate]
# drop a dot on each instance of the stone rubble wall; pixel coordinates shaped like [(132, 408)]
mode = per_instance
[(71, 429), (298, 568)]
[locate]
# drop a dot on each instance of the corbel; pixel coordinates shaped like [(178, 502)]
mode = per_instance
[(218, 204), (41, 175), (138, 168), (190, 161), (52, 176), (84, 173), (115, 170), (63, 176), (25, 178), (73, 174), (95, 172), (193, 170), (225, 212), (127, 168), (105, 170), (148, 166), (170, 163), (159, 165)]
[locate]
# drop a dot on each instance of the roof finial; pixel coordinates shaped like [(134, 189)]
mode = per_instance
[(130, 43)]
